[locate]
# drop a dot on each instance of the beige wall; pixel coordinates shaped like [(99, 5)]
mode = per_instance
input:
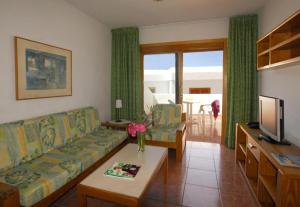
[(58, 23), (184, 31), (283, 82)]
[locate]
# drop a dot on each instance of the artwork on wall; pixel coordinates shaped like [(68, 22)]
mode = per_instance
[(42, 70)]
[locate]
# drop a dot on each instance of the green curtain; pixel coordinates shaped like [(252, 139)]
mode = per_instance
[(242, 75), (126, 76)]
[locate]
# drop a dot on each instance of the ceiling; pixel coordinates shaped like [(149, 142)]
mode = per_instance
[(120, 13)]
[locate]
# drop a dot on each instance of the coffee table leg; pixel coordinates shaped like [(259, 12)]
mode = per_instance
[(166, 170), (81, 198)]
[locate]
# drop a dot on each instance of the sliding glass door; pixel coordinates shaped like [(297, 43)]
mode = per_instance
[(202, 94), (159, 79), (179, 72)]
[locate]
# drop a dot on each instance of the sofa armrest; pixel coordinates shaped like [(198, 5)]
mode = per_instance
[(98, 123), (180, 140), (183, 117), (9, 196), (181, 127)]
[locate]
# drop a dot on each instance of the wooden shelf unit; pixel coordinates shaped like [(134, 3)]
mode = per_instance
[(270, 183), (281, 46), (243, 148)]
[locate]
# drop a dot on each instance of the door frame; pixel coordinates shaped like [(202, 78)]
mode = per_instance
[(181, 47)]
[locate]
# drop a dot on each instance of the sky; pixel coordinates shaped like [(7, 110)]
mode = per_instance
[(193, 59)]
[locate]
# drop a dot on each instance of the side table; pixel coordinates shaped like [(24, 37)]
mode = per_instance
[(123, 125)]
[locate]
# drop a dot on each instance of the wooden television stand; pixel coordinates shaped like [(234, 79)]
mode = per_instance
[(270, 183)]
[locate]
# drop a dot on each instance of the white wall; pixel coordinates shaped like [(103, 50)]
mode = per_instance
[(160, 86), (57, 23), (285, 81), (214, 85), (194, 30)]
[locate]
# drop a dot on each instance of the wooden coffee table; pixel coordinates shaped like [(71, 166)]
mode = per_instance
[(123, 191)]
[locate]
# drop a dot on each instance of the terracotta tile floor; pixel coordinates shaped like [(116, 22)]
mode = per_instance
[(206, 177), (204, 131)]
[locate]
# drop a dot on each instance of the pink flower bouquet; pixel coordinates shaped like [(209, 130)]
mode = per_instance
[(134, 128), (139, 129)]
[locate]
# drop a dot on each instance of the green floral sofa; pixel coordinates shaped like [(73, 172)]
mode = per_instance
[(168, 128), (40, 155)]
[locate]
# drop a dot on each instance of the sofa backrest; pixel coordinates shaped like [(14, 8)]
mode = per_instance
[(54, 130), (82, 121), (168, 115), (25, 140), (19, 142)]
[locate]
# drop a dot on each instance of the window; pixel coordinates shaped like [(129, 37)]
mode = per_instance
[(159, 79)]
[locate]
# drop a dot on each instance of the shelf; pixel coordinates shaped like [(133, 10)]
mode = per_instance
[(292, 61), (267, 205), (263, 45), (286, 30), (285, 52), (263, 53), (263, 60), (285, 62), (269, 185), (242, 165), (240, 154), (243, 148), (250, 181), (253, 184), (264, 67), (288, 42), (281, 46)]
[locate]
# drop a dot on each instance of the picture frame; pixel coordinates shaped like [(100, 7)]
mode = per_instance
[(42, 70)]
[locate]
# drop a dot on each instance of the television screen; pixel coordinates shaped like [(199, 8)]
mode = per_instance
[(271, 118), (268, 115)]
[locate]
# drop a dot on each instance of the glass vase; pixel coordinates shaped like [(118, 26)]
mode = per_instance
[(141, 142)]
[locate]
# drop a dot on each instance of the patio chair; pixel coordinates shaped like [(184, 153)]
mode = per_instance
[(212, 109), (168, 128)]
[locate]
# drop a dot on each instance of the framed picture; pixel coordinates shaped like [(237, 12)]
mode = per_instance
[(42, 70)]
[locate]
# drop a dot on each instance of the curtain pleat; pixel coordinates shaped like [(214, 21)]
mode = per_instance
[(242, 75), (126, 78)]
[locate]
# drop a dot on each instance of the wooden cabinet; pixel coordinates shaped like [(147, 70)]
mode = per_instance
[(270, 183), (281, 46)]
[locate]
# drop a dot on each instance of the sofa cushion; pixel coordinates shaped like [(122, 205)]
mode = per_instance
[(92, 118), (167, 134), (6, 160), (167, 115), (82, 150), (33, 141), (107, 137), (91, 147), (82, 121), (20, 143), (54, 130), (40, 177)]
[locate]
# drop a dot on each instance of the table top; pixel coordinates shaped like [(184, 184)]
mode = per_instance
[(149, 160), (116, 125), (123, 121)]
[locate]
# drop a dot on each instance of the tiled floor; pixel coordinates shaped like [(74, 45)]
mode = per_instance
[(207, 177), (202, 130)]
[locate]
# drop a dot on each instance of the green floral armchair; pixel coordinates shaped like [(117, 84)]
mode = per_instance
[(168, 128)]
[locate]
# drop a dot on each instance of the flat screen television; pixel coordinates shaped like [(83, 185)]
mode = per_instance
[(271, 119)]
